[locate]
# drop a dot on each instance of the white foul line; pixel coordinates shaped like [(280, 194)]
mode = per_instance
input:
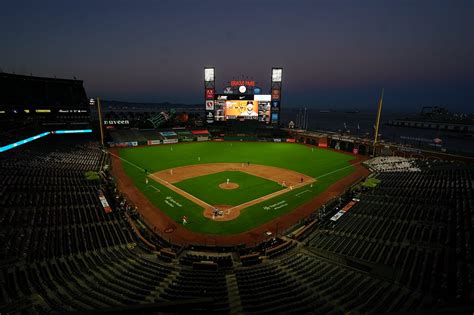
[(176, 189)]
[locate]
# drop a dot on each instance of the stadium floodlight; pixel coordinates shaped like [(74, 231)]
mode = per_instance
[(276, 74), (209, 74)]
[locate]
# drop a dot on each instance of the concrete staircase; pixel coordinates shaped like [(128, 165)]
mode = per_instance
[(155, 294), (235, 304)]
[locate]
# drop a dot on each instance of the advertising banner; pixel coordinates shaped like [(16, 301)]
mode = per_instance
[(276, 140), (323, 142), (275, 94), (201, 138), (355, 151), (209, 117), (168, 141), (290, 140), (263, 97), (209, 105), (209, 94), (200, 132), (168, 133), (264, 112), (274, 117), (153, 142), (105, 204), (241, 109)]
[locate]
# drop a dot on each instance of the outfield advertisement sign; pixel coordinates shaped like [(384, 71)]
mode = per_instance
[(168, 141), (202, 138), (153, 142), (168, 133)]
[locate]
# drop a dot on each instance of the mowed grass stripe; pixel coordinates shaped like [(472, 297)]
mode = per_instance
[(207, 188)]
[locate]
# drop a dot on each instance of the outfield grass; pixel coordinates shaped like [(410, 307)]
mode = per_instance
[(207, 188), (324, 165)]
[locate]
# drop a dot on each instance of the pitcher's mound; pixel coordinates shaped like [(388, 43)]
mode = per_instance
[(229, 186)]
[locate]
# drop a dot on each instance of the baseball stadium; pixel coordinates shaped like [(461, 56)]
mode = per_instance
[(223, 210)]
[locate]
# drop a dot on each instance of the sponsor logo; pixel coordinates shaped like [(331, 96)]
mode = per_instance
[(209, 105), (116, 122), (275, 94), (276, 206), (228, 90), (172, 203), (210, 117), (209, 94)]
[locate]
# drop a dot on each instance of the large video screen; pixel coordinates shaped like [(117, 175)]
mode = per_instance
[(246, 109)]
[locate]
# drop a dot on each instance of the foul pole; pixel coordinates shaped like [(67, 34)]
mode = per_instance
[(377, 122), (100, 122)]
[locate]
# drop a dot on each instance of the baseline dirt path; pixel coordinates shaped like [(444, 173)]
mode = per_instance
[(176, 233)]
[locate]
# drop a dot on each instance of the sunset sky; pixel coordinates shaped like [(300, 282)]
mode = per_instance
[(334, 53)]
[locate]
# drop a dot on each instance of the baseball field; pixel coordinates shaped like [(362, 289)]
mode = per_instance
[(225, 188)]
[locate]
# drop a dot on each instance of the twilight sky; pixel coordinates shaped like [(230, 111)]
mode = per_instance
[(334, 53)]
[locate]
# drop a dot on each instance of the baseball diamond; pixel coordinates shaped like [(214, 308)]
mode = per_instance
[(274, 179)]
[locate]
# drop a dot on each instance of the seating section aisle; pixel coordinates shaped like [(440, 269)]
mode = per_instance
[(415, 228)]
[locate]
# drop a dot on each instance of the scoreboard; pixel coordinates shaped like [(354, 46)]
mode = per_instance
[(241, 100)]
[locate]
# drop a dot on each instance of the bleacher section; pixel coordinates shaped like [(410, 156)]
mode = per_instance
[(405, 246), (414, 229)]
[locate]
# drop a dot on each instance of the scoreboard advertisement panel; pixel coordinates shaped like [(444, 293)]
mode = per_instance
[(247, 109), (240, 107)]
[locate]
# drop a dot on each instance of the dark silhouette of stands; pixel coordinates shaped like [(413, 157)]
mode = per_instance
[(414, 229), (405, 247)]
